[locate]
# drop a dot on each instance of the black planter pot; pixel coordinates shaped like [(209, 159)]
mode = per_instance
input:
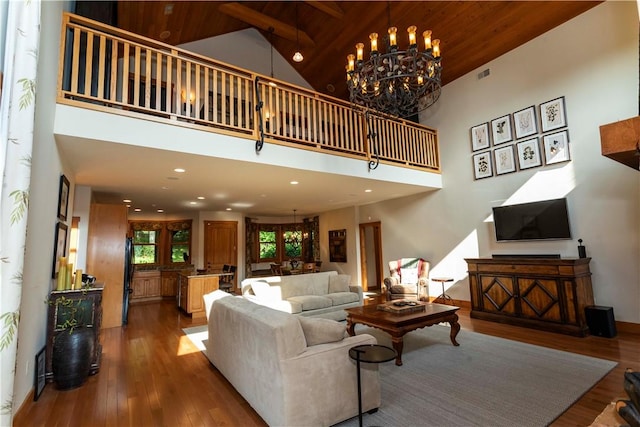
[(71, 357)]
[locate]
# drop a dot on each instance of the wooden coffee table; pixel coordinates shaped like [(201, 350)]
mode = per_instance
[(397, 325)]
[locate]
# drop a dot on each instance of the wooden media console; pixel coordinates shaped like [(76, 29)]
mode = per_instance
[(548, 294)]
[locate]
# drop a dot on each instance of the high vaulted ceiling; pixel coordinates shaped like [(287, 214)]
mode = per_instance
[(471, 32)]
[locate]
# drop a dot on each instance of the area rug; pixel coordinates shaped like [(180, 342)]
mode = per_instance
[(486, 381), (198, 335)]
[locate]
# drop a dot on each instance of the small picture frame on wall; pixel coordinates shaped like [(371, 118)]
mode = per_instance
[(529, 154), (60, 247), (480, 137), (63, 198), (39, 377), (338, 245), (553, 115), (504, 160), (525, 123), (556, 147), (482, 165), (501, 130)]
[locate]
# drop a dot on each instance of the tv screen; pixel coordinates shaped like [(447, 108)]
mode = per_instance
[(546, 219)]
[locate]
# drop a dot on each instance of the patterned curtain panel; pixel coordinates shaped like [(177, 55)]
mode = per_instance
[(251, 234), (17, 106)]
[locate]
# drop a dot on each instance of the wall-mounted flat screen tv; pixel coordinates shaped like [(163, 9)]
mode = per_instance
[(542, 220)]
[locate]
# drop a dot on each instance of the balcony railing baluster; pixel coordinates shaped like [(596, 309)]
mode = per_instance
[(108, 69)]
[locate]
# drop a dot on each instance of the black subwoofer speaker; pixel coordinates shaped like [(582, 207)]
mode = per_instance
[(601, 321)]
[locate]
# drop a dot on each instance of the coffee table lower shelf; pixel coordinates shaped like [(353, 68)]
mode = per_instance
[(397, 325)]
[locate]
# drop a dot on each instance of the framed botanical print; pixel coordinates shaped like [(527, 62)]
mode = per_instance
[(501, 129), (482, 165), (59, 247), (556, 147), (553, 115), (63, 198), (504, 160), (529, 154), (525, 123), (480, 137)]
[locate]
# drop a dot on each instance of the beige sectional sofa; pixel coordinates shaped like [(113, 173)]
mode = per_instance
[(325, 294), (293, 370)]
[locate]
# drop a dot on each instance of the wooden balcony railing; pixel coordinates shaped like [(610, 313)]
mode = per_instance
[(108, 69)]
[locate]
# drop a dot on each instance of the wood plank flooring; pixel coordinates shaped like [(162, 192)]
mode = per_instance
[(151, 375)]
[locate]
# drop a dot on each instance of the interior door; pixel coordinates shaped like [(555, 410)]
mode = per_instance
[(371, 256), (220, 245)]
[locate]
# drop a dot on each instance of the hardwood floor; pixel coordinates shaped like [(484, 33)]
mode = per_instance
[(152, 375)]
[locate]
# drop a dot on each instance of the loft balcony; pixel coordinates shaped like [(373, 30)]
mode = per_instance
[(109, 70)]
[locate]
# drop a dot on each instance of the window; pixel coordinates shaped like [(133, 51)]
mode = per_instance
[(278, 243), (268, 245), (292, 243), (161, 242), (180, 245), (145, 246)]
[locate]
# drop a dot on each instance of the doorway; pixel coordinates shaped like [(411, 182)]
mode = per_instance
[(371, 256), (220, 245)]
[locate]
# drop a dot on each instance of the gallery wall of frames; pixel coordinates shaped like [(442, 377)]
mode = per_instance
[(527, 138)]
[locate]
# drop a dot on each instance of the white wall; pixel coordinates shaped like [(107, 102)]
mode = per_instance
[(46, 168), (597, 73), (253, 54)]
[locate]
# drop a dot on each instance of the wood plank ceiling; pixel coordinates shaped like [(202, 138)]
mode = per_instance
[(472, 33)]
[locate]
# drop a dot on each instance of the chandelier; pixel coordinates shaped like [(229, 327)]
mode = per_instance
[(396, 82)]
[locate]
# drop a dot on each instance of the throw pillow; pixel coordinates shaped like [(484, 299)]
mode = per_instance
[(339, 283), (320, 331), (408, 276), (262, 289)]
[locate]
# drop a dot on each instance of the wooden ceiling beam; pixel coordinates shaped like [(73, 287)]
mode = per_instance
[(328, 7), (265, 22)]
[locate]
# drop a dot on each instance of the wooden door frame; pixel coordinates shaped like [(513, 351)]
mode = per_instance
[(377, 247)]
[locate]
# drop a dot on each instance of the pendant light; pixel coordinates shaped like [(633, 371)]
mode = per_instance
[(297, 57)]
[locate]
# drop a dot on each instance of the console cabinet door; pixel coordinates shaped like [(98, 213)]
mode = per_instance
[(540, 299), (498, 294)]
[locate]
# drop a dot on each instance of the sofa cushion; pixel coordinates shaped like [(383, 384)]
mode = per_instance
[(311, 302), (264, 291), (320, 331), (339, 283), (339, 298)]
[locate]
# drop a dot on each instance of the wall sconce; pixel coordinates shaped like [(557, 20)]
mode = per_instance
[(192, 97)]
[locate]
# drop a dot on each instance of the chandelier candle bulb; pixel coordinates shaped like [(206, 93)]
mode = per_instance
[(351, 62), (374, 43), (427, 39), (412, 36), (393, 42), (359, 51), (436, 48)]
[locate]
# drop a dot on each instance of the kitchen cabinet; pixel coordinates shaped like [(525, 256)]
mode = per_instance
[(106, 239), (548, 294), (146, 285), (170, 281), (191, 290)]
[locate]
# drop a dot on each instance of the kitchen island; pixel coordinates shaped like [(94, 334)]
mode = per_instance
[(191, 288)]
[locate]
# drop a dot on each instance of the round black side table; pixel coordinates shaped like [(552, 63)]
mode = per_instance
[(369, 353)]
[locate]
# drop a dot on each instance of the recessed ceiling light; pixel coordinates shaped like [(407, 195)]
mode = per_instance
[(126, 200), (138, 210), (200, 198), (179, 170), (193, 203), (228, 209), (168, 9), (165, 188), (368, 190), (160, 210), (165, 35), (294, 183)]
